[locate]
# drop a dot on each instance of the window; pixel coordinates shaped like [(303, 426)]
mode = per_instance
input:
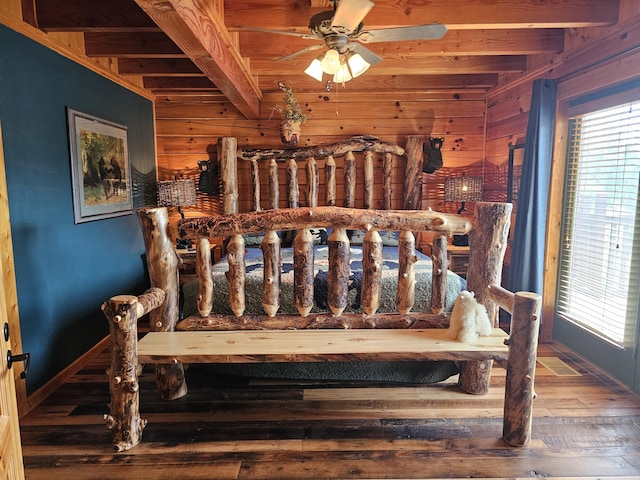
[(599, 256)]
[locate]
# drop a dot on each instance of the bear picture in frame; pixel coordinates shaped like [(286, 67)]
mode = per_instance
[(100, 168)]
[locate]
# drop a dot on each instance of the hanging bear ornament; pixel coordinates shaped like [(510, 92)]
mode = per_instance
[(208, 181), (432, 158)]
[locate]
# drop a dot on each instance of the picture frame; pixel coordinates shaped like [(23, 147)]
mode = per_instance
[(100, 168)]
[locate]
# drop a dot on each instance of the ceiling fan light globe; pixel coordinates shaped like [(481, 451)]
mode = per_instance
[(343, 75), (357, 65), (315, 70), (331, 62)]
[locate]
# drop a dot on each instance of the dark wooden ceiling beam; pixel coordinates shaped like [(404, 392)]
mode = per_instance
[(92, 16), (190, 84), (457, 14), (199, 30), (132, 45), (158, 67), (457, 42)]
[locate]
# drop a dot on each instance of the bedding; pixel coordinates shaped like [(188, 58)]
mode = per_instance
[(254, 277)]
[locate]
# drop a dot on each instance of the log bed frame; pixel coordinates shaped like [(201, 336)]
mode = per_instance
[(320, 337)]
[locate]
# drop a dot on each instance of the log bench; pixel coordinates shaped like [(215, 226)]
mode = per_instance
[(518, 350)]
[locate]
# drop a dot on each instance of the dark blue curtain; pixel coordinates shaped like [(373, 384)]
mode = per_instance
[(527, 252)]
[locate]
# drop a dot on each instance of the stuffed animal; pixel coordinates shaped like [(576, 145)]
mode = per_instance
[(469, 319)]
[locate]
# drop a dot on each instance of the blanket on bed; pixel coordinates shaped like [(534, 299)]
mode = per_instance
[(395, 372), (254, 277)]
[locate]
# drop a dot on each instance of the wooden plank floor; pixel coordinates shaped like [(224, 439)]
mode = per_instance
[(584, 426)]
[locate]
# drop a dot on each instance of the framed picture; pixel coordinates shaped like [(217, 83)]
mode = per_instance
[(100, 168)]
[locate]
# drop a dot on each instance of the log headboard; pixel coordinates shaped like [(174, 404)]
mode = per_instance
[(376, 161)]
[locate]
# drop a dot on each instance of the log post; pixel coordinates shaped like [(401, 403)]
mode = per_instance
[(255, 185), (330, 181), (312, 182), (521, 367), (123, 312), (387, 166), (227, 147), (371, 272), (407, 258), (271, 275), (440, 265), (236, 274), (205, 280), (293, 199), (303, 271), (488, 243), (349, 180), (274, 185), (412, 199), (368, 179), (339, 271), (162, 264)]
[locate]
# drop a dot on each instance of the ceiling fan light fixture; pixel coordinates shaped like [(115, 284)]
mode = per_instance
[(315, 69), (331, 62), (343, 75), (357, 64)]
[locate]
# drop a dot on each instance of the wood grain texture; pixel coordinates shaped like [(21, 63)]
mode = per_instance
[(204, 300), (271, 277), (316, 345), (439, 272), (339, 217), (124, 409), (371, 272), (236, 274), (162, 263), (303, 271), (315, 321)]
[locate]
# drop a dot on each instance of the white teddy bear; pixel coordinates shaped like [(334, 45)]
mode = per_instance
[(469, 319)]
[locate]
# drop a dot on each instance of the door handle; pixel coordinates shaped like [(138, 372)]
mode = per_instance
[(22, 357)]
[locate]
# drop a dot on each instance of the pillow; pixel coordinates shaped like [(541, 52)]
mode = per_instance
[(356, 237), (390, 238), (253, 239)]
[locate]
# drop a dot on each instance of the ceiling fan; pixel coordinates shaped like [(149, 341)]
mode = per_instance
[(343, 33)]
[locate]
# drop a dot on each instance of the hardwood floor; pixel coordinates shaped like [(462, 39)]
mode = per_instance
[(584, 426)]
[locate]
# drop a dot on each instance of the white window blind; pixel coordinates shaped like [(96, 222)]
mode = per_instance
[(599, 256)]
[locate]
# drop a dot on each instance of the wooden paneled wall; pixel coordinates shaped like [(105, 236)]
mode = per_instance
[(457, 115), (595, 58)]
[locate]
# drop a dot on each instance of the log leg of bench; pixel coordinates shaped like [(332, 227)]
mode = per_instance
[(475, 377), (124, 413), (521, 366)]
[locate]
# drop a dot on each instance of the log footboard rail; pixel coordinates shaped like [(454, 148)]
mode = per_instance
[(252, 338)]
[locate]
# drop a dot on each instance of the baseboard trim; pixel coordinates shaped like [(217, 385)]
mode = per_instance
[(56, 382)]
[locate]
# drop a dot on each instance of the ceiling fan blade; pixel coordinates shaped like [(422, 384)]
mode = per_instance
[(305, 36), (350, 13), (365, 53), (398, 34), (310, 48)]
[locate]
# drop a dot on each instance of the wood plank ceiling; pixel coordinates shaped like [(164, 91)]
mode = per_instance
[(195, 47)]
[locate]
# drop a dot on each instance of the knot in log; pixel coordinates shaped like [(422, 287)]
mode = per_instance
[(110, 421)]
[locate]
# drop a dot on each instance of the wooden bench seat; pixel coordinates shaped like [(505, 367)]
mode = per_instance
[(255, 346)]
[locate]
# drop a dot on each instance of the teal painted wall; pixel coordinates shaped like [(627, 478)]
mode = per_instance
[(65, 271)]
